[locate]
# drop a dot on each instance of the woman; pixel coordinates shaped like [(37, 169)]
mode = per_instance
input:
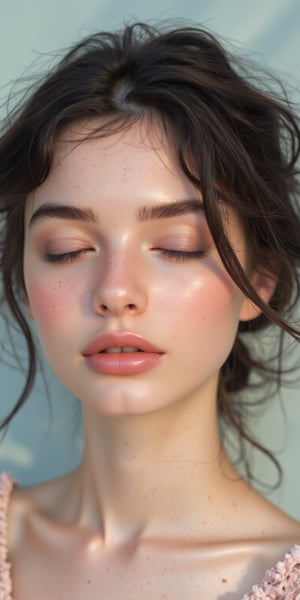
[(151, 227)]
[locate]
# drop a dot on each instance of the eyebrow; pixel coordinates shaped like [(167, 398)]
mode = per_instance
[(61, 211), (171, 209), (145, 213)]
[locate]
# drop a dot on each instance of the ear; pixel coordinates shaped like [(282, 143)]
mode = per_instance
[(264, 285)]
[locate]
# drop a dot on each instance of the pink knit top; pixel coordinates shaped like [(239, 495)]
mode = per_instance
[(281, 582), (6, 486)]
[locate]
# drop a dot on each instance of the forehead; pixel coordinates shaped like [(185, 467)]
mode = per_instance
[(137, 164)]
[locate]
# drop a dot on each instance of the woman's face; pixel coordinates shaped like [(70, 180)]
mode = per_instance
[(134, 308)]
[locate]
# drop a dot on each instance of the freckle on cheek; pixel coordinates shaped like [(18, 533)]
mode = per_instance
[(45, 301)]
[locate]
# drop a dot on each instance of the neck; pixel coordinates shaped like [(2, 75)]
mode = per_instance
[(152, 475)]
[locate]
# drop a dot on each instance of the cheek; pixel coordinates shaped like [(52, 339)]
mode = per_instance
[(217, 303), (209, 296), (205, 326), (209, 308), (49, 302)]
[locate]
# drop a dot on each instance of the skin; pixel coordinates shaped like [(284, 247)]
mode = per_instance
[(155, 509)]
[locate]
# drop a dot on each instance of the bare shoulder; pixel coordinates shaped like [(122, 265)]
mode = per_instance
[(27, 501), (274, 530), (277, 522), (279, 534)]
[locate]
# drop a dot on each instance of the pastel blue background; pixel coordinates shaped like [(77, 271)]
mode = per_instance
[(44, 440)]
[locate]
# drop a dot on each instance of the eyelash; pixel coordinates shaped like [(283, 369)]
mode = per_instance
[(176, 255), (181, 255), (65, 257)]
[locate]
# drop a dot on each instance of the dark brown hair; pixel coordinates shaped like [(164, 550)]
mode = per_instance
[(237, 142)]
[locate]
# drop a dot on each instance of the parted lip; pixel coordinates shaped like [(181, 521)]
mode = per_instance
[(120, 339)]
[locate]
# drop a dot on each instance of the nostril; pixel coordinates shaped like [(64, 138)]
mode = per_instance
[(103, 307)]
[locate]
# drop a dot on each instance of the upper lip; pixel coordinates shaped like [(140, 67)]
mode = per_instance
[(119, 339)]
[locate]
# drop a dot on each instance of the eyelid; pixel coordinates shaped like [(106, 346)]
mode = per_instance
[(182, 236), (50, 236), (65, 244), (64, 257)]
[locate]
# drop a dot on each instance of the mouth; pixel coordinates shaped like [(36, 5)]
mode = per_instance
[(118, 349), (122, 353), (119, 343)]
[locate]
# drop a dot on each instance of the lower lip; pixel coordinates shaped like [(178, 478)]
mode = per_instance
[(123, 363)]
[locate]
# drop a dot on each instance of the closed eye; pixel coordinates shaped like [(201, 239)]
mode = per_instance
[(176, 255), (182, 255), (65, 257)]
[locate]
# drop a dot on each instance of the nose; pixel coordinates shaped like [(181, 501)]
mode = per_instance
[(120, 288)]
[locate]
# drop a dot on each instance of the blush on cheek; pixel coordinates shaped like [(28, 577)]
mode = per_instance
[(212, 310), (48, 301), (211, 297)]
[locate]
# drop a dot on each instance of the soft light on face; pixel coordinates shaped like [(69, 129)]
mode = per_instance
[(116, 241)]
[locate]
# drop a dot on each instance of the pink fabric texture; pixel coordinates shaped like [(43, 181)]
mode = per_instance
[(281, 582), (6, 486)]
